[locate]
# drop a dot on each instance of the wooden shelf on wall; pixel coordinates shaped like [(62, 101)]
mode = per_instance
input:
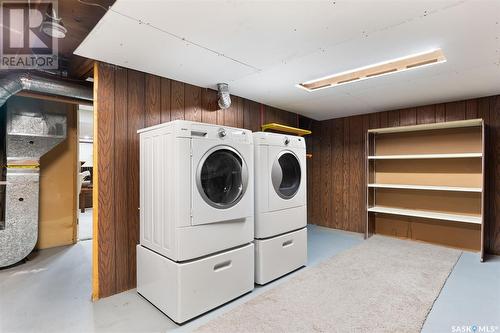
[(285, 129), (445, 163), (427, 187)]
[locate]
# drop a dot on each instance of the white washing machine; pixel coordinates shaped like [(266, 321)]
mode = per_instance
[(196, 216), (280, 205)]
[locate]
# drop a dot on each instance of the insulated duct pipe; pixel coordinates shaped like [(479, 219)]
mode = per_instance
[(223, 94), (16, 82), (29, 134)]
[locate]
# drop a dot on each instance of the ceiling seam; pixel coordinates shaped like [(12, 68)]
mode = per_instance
[(187, 40), (365, 34)]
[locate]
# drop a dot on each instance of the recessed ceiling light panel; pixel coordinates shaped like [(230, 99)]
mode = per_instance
[(384, 68)]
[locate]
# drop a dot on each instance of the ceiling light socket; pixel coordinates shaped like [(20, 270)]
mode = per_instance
[(53, 26)]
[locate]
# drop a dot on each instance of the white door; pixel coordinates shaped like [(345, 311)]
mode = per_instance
[(288, 178), (222, 189)]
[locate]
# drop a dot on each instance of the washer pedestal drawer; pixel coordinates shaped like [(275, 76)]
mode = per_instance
[(187, 289), (280, 255)]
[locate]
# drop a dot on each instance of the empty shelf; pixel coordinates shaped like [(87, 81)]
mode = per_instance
[(427, 187), (423, 156), (427, 127), (427, 214), (286, 129)]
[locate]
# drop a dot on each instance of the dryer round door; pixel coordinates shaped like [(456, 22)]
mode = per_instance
[(286, 174), (222, 177)]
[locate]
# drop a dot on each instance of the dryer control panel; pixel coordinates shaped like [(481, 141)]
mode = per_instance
[(222, 133), (202, 131), (276, 139)]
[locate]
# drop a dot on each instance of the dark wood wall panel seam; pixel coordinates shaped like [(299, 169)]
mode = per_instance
[(135, 114), (494, 165), (105, 165), (120, 174)]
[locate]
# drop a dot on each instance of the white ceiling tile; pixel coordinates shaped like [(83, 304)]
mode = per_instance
[(264, 48)]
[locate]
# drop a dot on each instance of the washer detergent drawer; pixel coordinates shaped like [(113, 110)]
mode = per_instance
[(185, 290), (280, 255)]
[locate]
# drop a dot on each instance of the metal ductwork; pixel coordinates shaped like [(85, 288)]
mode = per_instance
[(28, 135), (224, 100), (16, 82)]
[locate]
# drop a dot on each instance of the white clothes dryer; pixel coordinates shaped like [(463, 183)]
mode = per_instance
[(196, 184), (280, 205), (196, 217)]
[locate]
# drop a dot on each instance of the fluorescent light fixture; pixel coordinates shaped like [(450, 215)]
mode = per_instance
[(413, 61)]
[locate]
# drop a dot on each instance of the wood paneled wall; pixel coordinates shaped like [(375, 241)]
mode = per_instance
[(125, 101), (336, 180)]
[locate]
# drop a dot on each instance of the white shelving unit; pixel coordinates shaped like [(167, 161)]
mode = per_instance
[(453, 149), (424, 156), (427, 187), (427, 214)]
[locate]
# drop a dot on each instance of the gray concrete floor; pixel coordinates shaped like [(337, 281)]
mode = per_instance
[(51, 293), (85, 224), (470, 298)]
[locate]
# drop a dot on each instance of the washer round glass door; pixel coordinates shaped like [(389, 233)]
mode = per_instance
[(286, 174), (222, 177)]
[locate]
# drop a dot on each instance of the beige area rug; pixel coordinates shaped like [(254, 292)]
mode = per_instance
[(382, 285)]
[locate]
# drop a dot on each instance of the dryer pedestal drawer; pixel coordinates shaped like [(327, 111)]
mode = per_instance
[(280, 255), (269, 224), (185, 290)]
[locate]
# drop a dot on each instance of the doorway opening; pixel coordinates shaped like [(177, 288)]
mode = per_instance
[(85, 173)]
